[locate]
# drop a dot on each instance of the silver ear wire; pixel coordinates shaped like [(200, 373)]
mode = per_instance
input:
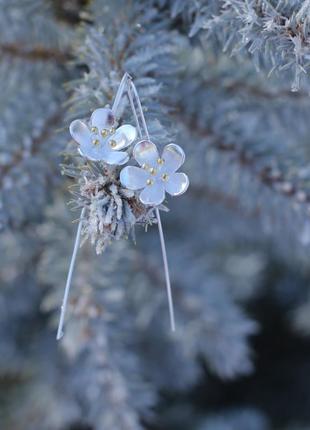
[(60, 332), (166, 269), (120, 92), (132, 105), (132, 88)]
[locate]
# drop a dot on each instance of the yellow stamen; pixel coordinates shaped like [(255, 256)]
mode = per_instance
[(104, 132)]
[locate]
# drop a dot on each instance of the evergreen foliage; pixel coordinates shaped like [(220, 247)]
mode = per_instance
[(229, 82)]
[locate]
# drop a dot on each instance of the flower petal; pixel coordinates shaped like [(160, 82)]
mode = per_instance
[(102, 118), (92, 152), (80, 132), (133, 178), (115, 157), (123, 137), (177, 184), (153, 194), (173, 156), (145, 152)]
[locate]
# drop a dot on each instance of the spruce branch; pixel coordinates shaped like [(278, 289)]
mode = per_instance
[(276, 37)]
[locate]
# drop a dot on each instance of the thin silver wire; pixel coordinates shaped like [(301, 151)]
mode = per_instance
[(166, 267), (120, 92), (132, 105), (60, 332), (132, 87)]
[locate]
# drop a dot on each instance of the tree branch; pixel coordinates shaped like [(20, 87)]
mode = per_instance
[(47, 130), (37, 53)]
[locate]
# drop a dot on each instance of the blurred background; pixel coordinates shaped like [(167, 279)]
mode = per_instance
[(228, 81)]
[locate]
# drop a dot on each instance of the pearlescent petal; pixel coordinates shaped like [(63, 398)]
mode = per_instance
[(102, 118), (80, 132), (173, 156), (153, 194), (145, 152), (177, 184), (116, 157), (93, 152), (133, 178), (123, 137)]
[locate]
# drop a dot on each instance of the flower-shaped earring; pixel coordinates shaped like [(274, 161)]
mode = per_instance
[(101, 141), (156, 175)]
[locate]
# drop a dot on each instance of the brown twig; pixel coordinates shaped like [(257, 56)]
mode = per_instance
[(36, 53), (267, 176), (37, 142), (232, 203)]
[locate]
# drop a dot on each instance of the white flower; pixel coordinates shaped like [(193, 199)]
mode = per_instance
[(100, 141), (156, 174)]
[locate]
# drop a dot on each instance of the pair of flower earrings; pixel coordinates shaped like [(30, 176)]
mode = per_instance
[(100, 141), (147, 173)]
